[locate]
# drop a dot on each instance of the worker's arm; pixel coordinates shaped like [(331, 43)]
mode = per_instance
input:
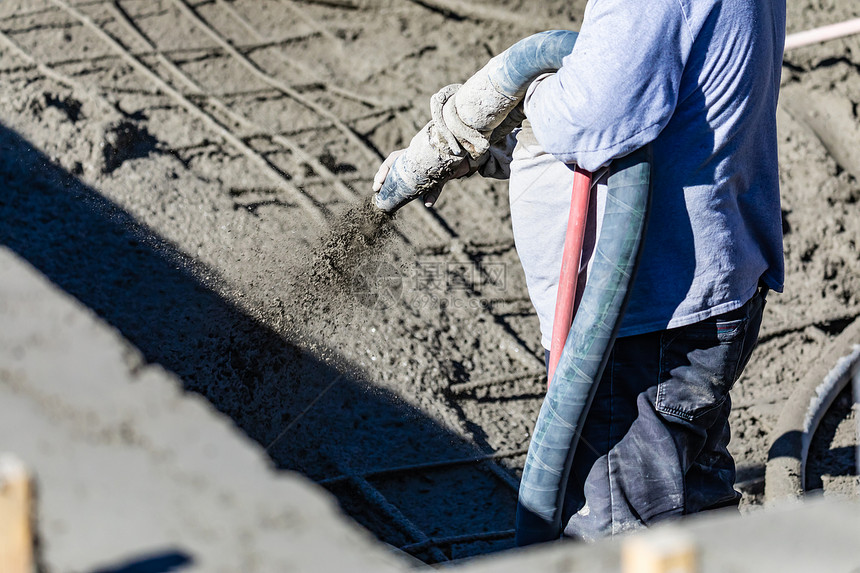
[(618, 88)]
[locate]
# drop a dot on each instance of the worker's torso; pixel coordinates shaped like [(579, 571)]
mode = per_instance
[(715, 225)]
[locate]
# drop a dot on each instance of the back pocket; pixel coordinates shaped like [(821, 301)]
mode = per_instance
[(699, 364)]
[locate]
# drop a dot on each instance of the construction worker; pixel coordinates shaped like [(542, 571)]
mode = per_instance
[(698, 81)]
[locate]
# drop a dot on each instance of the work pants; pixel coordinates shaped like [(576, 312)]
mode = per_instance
[(654, 443)]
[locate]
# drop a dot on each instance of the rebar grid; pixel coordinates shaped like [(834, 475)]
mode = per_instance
[(375, 499), (315, 210), (345, 192), (435, 465), (457, 540), (186, 101)]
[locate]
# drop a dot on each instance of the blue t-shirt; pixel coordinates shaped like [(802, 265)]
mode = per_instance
[(699, 80)]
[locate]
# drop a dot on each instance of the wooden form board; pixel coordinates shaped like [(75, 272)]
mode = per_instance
[(16, 510), (662, 551)]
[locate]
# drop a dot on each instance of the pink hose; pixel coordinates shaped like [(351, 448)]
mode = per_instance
[(565, 302), (822, 34)]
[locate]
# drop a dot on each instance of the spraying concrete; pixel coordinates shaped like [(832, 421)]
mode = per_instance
[(374, 68), (468, 122)]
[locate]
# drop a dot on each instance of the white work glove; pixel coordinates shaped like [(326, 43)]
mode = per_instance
[(462, 135)]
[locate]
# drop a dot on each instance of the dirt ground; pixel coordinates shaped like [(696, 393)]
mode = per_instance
[(183, 166)]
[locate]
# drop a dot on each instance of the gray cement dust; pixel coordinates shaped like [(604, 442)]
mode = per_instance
[(334, 279), (357, 236)]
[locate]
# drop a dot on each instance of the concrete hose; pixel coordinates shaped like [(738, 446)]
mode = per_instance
[(586, 351), (479, 106), (489, 102)]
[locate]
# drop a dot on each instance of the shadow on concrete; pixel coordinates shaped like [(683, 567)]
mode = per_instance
[(825, 457), (788, 445), (319, 419), (159, 563)]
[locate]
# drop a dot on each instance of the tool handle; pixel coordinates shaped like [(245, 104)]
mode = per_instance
[(565, 302)]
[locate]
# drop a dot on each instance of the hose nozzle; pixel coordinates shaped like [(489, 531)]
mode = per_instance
[(395, 191)]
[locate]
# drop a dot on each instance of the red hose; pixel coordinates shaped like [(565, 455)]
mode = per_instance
[(565, 302)]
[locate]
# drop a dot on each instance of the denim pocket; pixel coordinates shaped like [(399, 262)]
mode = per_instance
[(699, 364)]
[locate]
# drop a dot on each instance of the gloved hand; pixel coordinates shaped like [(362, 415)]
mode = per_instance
[(448, 131), (462, 170)]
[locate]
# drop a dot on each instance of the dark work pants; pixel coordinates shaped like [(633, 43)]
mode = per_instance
[(654, 443)]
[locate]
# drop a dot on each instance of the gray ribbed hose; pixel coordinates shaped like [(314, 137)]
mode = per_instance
[(586, 350), (481, 105)]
